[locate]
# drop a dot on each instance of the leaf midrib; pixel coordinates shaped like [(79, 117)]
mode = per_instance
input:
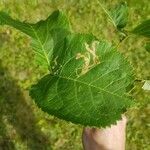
[(36, 35), (74, 80)]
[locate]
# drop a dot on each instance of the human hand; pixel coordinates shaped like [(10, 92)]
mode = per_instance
[(112, 138)]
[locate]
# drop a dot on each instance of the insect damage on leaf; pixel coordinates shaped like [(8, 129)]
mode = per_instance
[(81, 74), (45, 34), (89, 57), (55, 62)]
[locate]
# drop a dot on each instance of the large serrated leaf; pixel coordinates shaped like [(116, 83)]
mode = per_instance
[(143, 29), (45, 34), (89, 87), (88, 80)]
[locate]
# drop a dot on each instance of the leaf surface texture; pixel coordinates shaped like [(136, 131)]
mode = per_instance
[(88, 79)]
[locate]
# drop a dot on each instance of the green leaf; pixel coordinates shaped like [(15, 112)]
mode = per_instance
[(45, 34), (89, 80), (147, 47), (88, 86), (119, 15), (143, 29), (146, 85)]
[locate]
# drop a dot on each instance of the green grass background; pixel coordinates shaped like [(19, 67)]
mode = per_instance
[(23, 126)]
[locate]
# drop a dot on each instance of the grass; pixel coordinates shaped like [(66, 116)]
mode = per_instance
[(23, 126)]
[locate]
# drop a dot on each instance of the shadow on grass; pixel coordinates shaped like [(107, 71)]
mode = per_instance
[(18, 114)]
